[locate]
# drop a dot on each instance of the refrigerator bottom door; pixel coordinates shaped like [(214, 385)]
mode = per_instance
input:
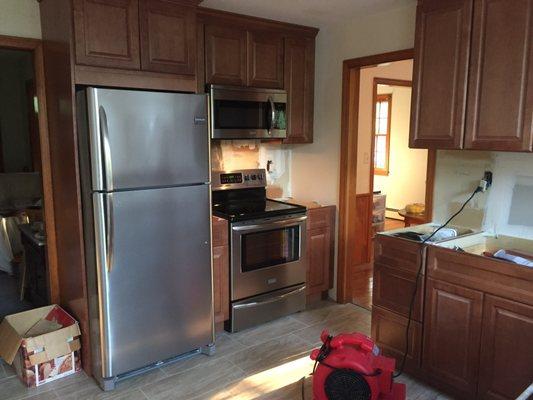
[(157, 276)]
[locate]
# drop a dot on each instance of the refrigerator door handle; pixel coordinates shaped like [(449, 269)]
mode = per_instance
[(106, 149), (109, 231), (102, 234)]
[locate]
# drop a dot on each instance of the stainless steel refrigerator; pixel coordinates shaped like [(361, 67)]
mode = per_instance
[(144, 164)]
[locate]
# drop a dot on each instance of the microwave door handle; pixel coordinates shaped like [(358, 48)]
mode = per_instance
[(272, 115)]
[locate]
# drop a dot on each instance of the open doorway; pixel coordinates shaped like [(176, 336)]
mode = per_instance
[(375, 157), (27, 246), (398, 172)]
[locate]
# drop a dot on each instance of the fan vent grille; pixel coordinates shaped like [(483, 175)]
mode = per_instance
[(345, 384)]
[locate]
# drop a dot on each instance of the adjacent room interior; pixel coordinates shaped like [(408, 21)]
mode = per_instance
[(23, 272)]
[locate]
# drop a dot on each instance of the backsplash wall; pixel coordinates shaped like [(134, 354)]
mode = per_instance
[(246, 154), (459, 172)]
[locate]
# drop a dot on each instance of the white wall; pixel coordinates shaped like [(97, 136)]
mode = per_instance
[(20, 18), (458, 174), (246, 154), (406, 182), (315, 167)]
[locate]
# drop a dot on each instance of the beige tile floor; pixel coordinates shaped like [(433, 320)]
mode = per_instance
[(267, 363)]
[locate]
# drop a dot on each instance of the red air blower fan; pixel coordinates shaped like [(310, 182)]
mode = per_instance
[(349, 367)]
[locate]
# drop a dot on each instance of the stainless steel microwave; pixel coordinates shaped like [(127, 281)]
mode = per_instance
[(247, 113)]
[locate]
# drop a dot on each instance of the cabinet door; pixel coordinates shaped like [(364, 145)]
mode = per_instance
[(442, 45), (318, 259), (299, 84), (168, 37), (265, 59), (107, 33), (221, 283), (506, 349), (393, 290), (452, 335), (500, 91), (225, 55), (388, 330)]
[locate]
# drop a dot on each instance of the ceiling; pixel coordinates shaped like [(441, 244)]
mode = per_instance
[(318, 13)]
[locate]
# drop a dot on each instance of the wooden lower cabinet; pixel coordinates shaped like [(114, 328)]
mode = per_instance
[(318, 242), (320, 251), (388, 331), (452, 335), (393, 290), (220, 271), (506, 359), (221, 283)]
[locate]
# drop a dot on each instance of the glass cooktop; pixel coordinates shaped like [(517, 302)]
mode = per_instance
[(252, 209)]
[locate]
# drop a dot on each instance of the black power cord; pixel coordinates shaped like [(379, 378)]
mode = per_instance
[(419, 273)]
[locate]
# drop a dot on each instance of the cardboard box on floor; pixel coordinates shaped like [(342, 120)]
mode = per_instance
[(42, 344)]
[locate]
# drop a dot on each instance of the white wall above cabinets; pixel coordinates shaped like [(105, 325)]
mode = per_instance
[(459, 172)]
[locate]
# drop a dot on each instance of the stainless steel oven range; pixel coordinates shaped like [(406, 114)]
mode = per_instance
[(267, 249)]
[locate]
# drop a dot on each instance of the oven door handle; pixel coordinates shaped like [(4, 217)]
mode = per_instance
[(272, 300), (274, 224)]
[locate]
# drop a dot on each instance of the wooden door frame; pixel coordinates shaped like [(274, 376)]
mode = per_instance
[(348, 232), (36, 48)]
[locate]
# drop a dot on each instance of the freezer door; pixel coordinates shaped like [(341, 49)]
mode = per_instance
[(154, 271), (146, 139)]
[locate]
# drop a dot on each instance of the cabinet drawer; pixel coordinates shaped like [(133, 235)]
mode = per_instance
[(399, 253), (393, 290), (496, 277), (388, 331), (320, 217), (220, 231)]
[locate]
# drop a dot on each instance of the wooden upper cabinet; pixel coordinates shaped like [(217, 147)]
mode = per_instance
[(299, 84), (107, 33), (506, 349), (225, 55), (442, 45), (168, 37), (265, 59), (500, 99), (452, 336)]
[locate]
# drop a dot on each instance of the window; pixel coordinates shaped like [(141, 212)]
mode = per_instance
[(382, 112)]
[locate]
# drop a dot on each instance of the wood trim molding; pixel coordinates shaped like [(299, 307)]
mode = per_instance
[(35, 46), (97, 76), (371, 61), (254, 23), (348, 232), (348, 180)]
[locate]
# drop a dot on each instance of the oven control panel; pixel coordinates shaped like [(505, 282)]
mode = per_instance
[(240, 179)]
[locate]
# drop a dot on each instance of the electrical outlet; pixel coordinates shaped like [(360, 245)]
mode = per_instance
[(486, 181)]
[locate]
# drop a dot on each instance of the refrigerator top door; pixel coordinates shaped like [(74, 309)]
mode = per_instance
[(147, 139)]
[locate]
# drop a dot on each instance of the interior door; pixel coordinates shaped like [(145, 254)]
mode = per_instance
[(147, 139), (156, 267)]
